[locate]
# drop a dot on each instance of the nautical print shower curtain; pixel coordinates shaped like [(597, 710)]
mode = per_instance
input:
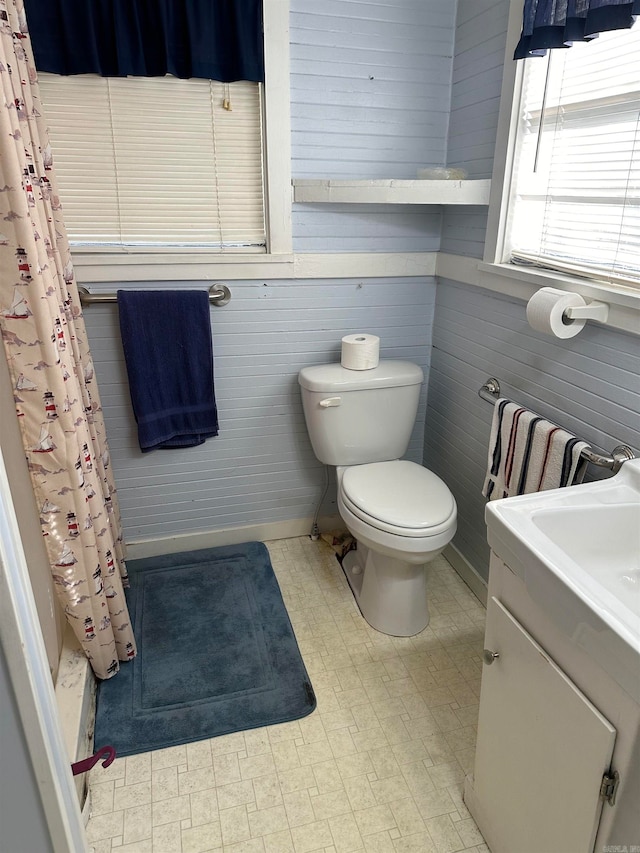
[(57, 401)]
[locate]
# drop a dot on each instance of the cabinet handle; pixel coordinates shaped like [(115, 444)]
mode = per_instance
[(488, 656)]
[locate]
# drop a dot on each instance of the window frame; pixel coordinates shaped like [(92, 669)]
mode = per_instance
[(492, 272), (136, 264)]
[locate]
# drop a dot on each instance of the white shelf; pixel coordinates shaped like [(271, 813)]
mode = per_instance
[(391, 191)]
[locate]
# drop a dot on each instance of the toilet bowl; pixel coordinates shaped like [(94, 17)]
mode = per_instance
[(401, 514), (402, 508)]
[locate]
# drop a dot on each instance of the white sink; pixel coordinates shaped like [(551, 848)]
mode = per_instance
[(578, 551), (603, 541)]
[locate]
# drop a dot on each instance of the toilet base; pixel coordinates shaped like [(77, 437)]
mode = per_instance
[(391, 593)]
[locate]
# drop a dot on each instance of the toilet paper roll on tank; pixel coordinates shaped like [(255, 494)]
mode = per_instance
[(360, 351)]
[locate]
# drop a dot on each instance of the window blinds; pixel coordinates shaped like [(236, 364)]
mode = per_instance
[(576, 203), (157, 162)]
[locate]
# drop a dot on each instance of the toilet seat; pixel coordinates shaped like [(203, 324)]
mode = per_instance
[(399, 497)]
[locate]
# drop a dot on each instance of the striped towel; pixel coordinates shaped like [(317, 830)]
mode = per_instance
[(529, 454)]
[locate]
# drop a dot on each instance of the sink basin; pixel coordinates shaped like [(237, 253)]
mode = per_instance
[(604, 541), (578, 550)]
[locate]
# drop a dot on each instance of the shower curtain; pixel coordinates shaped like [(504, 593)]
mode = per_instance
[(57, 401)]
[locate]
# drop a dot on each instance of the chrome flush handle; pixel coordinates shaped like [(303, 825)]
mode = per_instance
[(488, 656)]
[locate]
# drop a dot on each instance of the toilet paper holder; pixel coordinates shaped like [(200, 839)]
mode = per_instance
[(591, 311), (562, 313)]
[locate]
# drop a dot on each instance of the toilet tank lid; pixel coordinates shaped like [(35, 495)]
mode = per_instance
[(334, 377)]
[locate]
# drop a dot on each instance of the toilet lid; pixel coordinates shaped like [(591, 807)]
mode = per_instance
[(400, 495)]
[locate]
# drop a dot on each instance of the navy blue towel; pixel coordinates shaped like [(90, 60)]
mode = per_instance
[(166, 336)]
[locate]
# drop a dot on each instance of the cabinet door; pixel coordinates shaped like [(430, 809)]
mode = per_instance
[(542, 748)]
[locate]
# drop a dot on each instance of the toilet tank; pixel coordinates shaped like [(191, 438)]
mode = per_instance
[(359, 416)]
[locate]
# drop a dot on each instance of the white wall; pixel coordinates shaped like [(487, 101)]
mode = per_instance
[(588, 384), (370, 86), (370, 93), (475, 101), (261, 467), (370, 90)]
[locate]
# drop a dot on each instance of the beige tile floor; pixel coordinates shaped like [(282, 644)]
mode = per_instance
[(377, 767)]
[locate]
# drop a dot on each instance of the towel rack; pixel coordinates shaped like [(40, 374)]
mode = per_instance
[(490, 392), (219, 294)]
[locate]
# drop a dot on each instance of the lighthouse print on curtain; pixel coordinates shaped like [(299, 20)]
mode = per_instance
[(57, 401)]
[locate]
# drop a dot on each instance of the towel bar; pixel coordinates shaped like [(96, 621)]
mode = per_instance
[(219, 294), (490, 392)]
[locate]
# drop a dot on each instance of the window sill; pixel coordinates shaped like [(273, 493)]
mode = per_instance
[(118, 266), (520, 283)]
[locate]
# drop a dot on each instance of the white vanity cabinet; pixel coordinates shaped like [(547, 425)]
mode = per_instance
[(552, 725), (542, 747)]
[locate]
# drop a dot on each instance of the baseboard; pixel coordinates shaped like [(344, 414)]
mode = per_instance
[(476, 583), (280, 530), (228, 536)]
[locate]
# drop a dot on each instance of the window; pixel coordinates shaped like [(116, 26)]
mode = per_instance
[(104, 264), (153, 163), (575, 194)]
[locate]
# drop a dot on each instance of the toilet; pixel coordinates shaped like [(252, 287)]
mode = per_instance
[(401, 514)]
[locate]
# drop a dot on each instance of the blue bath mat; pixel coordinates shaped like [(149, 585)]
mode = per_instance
[(216, 652)]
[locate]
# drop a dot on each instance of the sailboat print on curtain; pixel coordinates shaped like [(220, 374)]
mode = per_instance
[(45, 443), (66, 557), (19, 308), (24, 384), (58, 404)]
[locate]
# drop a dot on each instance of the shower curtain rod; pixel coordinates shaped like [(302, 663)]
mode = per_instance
[(219, 295)]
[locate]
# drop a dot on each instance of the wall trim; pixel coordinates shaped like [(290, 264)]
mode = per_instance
[(520, 283), (511, 281), (473, 579), (506, 130), (277, 127), (229, 536), (364, 264), (112, 268)]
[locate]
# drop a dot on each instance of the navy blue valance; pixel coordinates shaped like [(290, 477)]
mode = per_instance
[(558, 23), (214, 39)]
